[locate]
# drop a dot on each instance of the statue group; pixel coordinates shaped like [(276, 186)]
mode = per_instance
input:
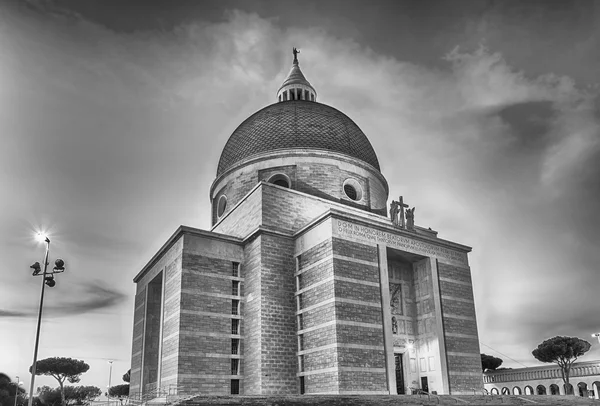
[(397, 214)]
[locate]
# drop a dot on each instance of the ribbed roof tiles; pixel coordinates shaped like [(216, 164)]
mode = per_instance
[(296, 124)]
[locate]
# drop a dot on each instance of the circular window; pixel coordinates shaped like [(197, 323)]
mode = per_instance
[(221, 205), (280, 180), (352, 189)]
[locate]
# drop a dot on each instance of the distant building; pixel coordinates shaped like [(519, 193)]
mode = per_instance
[(545, 380), (304, 283)]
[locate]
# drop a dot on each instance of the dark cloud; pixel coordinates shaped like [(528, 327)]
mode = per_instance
[(530, 122), (87, 298)]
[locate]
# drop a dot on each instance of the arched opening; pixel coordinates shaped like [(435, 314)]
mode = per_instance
[(352, 189), (221, 205), (528, 390), (554, 389), (582, 389), (505, 391), (280, 179), (595, 390), (494, 391), (541, 390), (568, 389), (517, 391)]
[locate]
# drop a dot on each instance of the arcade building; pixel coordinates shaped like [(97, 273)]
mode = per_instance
[(306, 283)]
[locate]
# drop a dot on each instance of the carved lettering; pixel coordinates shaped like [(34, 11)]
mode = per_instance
[(359, 233)]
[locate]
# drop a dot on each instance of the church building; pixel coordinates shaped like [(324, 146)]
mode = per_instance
[(306, 283)]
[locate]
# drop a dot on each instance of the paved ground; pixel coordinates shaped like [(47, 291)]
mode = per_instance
[(405, 400)]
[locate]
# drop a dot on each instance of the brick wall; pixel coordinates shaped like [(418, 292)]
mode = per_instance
[(252, 318), (319, 176), (361, 356), (244, 219), (152, 333), (278, 321), (169, 264), (318, 329), (138, 339), (207, 292), (460, 329)]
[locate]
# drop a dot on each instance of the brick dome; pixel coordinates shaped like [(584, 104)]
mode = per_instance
[(296, 124)]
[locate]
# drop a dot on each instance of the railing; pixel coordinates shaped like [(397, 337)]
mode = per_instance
[(168, 392), (420, 392)]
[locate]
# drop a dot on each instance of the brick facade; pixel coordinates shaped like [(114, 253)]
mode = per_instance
[(306, 317)]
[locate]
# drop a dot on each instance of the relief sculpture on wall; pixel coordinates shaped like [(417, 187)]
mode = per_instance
[(396, 298)]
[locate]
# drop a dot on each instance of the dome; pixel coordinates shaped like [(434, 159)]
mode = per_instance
[(297, 124)]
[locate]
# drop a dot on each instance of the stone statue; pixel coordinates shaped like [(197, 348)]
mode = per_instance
[(295, 52), (401, 206), (410, 218), (394, 210)]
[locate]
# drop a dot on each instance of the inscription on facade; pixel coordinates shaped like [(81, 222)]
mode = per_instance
[(369, 235)]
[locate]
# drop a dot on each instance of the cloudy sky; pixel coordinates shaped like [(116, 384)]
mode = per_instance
[(485, 115)]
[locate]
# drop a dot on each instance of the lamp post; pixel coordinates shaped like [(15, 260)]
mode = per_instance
[(47, 279), (109, 379), (17, 384)]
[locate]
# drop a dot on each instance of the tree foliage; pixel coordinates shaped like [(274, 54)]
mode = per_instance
[(8, 391), (73, 395), (490, 362), (563, 351), (49, 396), (119, 391), (127, 376), (62, 369)]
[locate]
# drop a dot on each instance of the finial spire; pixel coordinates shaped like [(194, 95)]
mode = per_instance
[(295, 86)]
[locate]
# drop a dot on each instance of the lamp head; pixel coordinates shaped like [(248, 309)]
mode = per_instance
[(50, 281), (59, 265), (36, 268), (42, 237)]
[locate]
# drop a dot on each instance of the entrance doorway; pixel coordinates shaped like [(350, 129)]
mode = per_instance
[(424, 384), (399, 374)]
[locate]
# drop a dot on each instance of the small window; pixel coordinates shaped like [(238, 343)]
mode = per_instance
[(302, 385), (280, 179), (235, 346), (306, 95), (312, 97), (235, 288), (221, 205), (235, 307), (235, 386), (235, 363), (235, 269), (235, 326), (300, 322), (350, 192), (352, 189)]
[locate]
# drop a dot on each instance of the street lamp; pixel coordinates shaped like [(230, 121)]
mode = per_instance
[(17, 384), (47, 279), (109, 379)]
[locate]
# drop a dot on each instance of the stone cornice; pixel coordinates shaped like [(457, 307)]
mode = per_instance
[(180, 232), (289, 153), (375, 221)]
